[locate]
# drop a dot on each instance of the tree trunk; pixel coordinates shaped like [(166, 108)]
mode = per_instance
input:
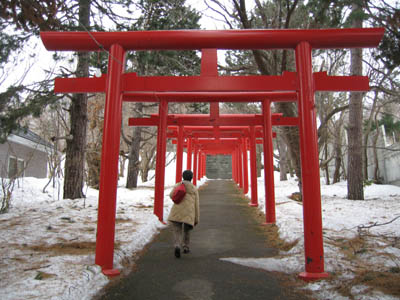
[(283, 159), (338, 163), (377, 178), (294, 149), (355, 190), (326, 167), (147, 163), (75, 152), (122, 161), (259, 161), (338, 150), (134, 163)]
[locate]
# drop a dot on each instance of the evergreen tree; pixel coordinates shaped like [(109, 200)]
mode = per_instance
[(28, 18), (19, 21)]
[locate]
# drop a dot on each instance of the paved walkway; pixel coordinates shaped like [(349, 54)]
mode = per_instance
[(226, 229)]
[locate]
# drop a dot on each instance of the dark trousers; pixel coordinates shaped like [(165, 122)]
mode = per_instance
[(181, 233)]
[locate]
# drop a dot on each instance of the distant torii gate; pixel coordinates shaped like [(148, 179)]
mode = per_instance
[(118, 85), (213, 132)]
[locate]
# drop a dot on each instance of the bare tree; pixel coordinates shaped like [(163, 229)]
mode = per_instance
[(355, 179)]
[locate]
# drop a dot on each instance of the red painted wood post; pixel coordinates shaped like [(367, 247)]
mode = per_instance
[(312, 215), (160, 160), (204, 165), (109, 162), (245, 166), (234, 166), (240, 164), (237, 167), (199, 164), (195, 161), (268, 165), (179, 155), (253, 167), (189, 154)]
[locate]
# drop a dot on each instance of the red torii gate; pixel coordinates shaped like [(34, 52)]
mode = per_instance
[(206, 133), (118, 84), (252, 123)]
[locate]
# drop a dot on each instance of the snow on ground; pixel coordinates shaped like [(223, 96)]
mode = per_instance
[(350, 248), (48, 244)]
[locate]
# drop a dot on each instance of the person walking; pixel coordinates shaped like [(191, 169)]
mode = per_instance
[(185, 215)]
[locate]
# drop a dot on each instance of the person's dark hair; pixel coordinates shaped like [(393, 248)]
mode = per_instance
[(187, 175)]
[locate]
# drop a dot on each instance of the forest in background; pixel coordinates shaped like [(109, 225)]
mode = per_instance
[(348, 122)]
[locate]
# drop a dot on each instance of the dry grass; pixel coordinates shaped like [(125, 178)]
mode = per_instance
[(385, 281), (349, 247), (365, 272), (65, 248), (43, 275)]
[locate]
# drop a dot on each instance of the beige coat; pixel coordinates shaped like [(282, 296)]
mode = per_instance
[(188, 211)]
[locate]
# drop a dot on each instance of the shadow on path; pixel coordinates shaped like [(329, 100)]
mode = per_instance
[(227, 229)]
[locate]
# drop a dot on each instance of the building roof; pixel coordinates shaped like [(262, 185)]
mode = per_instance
[(30, 139), (31, 136)]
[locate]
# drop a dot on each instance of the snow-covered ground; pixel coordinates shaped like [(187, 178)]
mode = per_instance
[(353, 252), (47, 244)]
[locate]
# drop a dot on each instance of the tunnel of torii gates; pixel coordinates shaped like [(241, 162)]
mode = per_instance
[(227, 140), (299, 86), (223, 140)]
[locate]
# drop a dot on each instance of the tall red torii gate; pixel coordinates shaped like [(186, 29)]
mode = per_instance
[(118, 84)]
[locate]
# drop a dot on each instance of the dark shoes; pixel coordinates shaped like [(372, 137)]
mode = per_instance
[(177, 252)]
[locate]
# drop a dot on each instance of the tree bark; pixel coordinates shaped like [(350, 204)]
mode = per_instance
[(338, 150), (377, 178), (355, 189), (283, 158), (326, 167), (134, 164), (148, 162), (75, 152)]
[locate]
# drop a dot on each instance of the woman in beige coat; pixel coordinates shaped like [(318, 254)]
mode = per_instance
[(185, 215)]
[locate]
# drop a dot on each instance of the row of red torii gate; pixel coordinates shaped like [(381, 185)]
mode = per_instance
[(214, 133)]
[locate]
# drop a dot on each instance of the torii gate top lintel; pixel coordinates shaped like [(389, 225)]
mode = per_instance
[(218, 39)]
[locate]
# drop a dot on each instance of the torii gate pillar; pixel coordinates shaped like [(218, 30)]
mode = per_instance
[(195, 163), (189, 154), (109, 163), (160, 160), (179, 155), (312, 215), (240, 165), (245, 166), (253, 167), (268, 165)]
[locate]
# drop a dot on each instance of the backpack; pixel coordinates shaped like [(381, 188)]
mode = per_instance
[(179, 193)]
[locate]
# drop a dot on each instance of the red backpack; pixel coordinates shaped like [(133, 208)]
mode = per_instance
[(179, 193)]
